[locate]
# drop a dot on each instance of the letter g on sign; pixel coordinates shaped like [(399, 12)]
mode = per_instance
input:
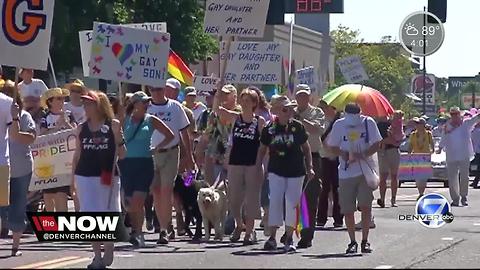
[(32, 22)]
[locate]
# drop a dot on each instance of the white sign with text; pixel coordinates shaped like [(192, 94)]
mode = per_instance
[(205, 84), (352, 69)]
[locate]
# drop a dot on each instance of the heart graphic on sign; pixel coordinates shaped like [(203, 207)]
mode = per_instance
[(122, 53)]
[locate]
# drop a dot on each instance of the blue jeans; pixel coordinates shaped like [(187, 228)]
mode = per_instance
[(15, 213)]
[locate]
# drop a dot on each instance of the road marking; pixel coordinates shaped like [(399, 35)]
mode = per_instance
[(63, 264), (124, 255), (476, 224), (384, 267), (447, 238), (40, 264)]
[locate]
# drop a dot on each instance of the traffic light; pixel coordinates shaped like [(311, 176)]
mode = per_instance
[(439, 9), (276, 12)]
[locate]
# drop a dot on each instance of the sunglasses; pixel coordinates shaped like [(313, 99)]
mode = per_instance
[(59, 98)]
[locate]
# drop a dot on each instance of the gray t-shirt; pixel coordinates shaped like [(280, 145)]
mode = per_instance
[(21, 160)]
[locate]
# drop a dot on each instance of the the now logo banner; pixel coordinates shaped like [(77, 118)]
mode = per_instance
[(85, 226)]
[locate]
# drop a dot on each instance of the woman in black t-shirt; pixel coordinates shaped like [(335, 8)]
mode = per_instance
[(244, 177), (290, 160)]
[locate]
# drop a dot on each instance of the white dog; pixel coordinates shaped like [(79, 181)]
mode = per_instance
[(213, 206)]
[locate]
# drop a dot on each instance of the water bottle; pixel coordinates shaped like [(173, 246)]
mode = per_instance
[(188, 178)]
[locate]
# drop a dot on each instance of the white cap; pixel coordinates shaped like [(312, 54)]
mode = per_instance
[(174, 83)]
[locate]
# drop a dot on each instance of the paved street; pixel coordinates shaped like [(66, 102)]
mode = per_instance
[(396, 245)]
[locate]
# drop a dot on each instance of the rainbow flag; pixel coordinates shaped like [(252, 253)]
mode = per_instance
[(178, 69), (303, 219)]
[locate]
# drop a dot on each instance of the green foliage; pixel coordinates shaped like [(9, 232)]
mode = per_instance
[(184, 22), (389, 71)]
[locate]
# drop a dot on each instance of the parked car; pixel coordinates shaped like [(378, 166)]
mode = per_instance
[(439, 164)]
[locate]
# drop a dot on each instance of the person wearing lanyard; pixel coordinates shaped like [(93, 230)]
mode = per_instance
[(137, 168), (100, 141), (313, 119)]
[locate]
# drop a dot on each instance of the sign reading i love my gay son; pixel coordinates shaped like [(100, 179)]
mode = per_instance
[(130, 55)]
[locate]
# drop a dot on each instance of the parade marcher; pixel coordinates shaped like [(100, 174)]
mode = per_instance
[(6, 104), (55, 119), (100, 141), (166, 158), (191, 103), (329, 172), (313, 119), (22, 134), (421, 142), (244, 177), (290, 161), (77, 89), (457, 142), (137, 168), (355, 138), (30, 86), (475, 164), (389, 161)]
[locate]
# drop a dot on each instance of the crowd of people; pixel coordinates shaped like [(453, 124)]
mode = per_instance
[(268, 153)]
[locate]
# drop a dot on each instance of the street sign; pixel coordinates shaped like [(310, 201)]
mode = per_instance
[(455, 84), (314, 6), (352, 69), (418, 84)]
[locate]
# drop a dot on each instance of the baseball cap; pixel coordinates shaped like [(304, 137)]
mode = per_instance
[(228, 89), (190, 91), (303, 88), (174, 83), (283, 101), (139, 96)]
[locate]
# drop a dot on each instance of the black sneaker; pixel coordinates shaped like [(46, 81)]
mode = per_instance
[(352, 248), (271, 244), (149, 225), (365, 246), (171, 232), (162, 239), (134, 240), (304, 243), (381, 203), (454, 203), (289, 246), (250, 240), (283, 238)]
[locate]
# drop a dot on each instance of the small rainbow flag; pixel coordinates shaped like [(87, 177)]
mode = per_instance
[(178, 69), (303, 219)]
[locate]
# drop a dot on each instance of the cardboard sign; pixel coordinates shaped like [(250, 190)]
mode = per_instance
[(53, 156), (25, 33), (252, 62), (205, 85), (129, 55), (86, 40), (239, 18), (307, 76), (352, 69), (415, 166)]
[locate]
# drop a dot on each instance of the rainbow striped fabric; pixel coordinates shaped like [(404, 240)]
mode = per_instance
[(303, 219), (178, 69)]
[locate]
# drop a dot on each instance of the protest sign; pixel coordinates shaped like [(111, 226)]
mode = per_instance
[(352, 69), (240, 18), (307, 76), (252, 62), (53, 156), (25, 33), (86, 40), (415, 166), (204, 85), (129, 55)]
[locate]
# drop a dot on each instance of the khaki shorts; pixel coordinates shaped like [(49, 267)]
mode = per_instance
[(4, 185), (350, 191), (244, 185), (389, 160), (166, 167)]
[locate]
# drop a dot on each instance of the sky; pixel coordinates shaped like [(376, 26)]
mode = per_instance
[(460, 52)]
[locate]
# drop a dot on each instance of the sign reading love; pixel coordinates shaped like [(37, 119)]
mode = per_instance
[(122, 53)]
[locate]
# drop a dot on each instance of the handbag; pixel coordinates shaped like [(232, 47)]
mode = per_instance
[(370, 168)]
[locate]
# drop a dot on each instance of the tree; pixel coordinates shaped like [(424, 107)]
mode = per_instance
[(184, 22), (389, 71)]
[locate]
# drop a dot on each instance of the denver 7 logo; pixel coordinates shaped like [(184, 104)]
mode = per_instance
[(32, 22)]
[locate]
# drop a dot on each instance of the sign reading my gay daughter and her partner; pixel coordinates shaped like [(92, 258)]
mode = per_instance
[(128, 54)]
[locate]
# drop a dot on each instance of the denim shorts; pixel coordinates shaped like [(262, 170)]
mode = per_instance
[(15, 212), (136, 175)]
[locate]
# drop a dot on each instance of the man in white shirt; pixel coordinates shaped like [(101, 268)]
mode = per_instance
[(167, 159), (190, 102), (75, 105), (5, 122), (30, 86), (355, 139), (457, 141)]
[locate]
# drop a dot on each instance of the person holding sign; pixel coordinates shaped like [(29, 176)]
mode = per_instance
[(100, 141), (421, 142), (21, 136), (137, 169), (56, 118)]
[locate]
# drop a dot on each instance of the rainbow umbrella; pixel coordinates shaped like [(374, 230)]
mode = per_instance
[(371, 101)]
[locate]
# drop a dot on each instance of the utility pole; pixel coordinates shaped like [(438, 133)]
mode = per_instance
[(424, 62)]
